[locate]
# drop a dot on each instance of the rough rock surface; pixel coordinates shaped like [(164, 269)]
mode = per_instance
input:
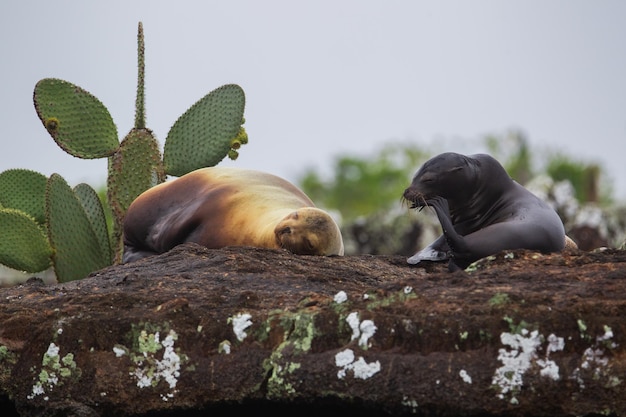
[(244, 330)]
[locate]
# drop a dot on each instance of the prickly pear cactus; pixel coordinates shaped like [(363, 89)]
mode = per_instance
[(204, 134), (24, 190), (134, 168), (24, 245), (77, 249), (77, 121), (78, 238), (95, 214)]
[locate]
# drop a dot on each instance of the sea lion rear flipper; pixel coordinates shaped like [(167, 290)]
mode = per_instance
[(131, 254), (436, 251)]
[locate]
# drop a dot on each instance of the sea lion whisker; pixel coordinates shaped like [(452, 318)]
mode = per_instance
[(423, 203)]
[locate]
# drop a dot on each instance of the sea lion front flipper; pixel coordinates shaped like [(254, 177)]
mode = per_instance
[(458, 247)]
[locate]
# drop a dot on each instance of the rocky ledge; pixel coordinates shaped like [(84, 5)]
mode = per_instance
[(244, 330)]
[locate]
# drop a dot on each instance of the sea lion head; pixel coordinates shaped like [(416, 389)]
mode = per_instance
[(447, 175), (309, 231)]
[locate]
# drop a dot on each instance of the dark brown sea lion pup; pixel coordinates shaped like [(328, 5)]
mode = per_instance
[(218, 206), (481, 210)]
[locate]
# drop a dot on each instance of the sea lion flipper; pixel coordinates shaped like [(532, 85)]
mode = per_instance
[(427, 254), (436, 251), (457, 244), (131, 254), (441, 207)]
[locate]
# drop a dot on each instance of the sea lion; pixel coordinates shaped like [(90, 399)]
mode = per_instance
[(482, 211), (218, 206)]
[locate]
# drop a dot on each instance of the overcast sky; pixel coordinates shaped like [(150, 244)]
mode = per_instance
[(324, 78)]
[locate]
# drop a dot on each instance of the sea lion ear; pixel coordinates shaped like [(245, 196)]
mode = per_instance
[(455, 169)]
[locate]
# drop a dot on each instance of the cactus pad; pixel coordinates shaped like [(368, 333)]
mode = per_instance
[(134, 168), (202, 136), (24, 245), (77, 121), (24, 190), (95, 213), (77, 249)]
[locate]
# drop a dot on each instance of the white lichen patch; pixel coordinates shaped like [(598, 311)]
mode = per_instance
[(340, 297), (240, 323), (54, 369), (595, 362), (361, 330), (364, 370), (606, 337), (465, 376), (224, 347), (515, 362), (344, 358), (151, 368), (368, 328), (519, 358), (360, 368), (353, 321), (120, 351), (548, 367)]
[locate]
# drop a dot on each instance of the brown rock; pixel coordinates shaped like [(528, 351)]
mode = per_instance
[(243, 330)]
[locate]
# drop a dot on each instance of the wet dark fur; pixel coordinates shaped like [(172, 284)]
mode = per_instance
[(481, 209)]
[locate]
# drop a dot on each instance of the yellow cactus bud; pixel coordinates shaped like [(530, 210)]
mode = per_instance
[(52, 124), (235, 144), (242, 136)]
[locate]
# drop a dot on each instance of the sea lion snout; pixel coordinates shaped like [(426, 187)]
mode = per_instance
[(415, 197), (425, 185), (292, 234)]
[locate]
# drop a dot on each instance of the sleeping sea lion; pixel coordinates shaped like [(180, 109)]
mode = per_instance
[(481, 210), (220, 206)]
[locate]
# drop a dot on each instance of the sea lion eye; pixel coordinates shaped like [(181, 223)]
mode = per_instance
[(285, 230), (428, 178)]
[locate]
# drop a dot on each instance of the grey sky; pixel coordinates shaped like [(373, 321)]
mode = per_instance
[(329, 77)]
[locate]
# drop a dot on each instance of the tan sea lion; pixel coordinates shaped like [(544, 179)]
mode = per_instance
[(220, 206)]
